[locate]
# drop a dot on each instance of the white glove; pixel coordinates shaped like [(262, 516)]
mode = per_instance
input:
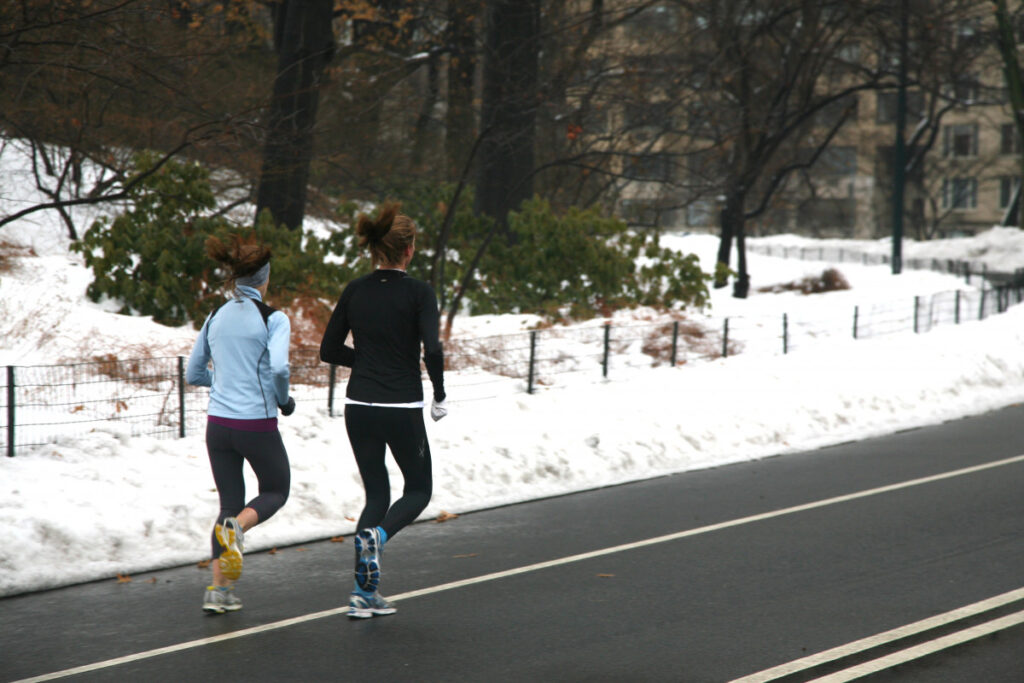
[(438, 409)]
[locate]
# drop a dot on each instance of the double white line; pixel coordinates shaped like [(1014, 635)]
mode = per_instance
[(902, 656)]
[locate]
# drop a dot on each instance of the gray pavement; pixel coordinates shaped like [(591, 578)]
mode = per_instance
[(708, 607)]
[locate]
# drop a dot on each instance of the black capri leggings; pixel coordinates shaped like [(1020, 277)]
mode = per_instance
[(228, 449), (370, 428)]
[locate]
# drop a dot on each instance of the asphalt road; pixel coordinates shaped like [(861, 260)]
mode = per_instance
[(703, 576)]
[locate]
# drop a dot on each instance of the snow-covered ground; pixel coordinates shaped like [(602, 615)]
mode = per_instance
[(91, 507)]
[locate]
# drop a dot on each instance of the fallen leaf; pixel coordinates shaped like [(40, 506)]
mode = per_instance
[(459, 557), (337, 539), (605, 576), (351, 519), (445, 516), (203, 564), (123, 578), (272, 551), (77, 409), (302, 550), (151, 579)]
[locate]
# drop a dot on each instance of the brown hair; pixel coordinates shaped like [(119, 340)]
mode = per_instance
[(387, 236), (240, 255)]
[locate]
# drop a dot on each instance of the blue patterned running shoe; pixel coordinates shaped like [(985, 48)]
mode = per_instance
[(368, 551), (362, 606)]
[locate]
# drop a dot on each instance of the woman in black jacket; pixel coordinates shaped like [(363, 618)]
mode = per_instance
[(390, 315)]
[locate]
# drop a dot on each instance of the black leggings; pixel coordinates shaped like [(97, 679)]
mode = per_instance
[(370, 428), (228, 449)]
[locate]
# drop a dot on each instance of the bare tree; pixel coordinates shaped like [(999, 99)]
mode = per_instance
[(766, 72), (304, 40), (84, 81)]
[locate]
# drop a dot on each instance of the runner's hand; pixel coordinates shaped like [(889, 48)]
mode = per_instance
[(288, 408), (438, 409)]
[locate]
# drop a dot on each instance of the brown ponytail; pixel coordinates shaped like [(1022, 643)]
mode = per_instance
[(240, 256), (387, 236)]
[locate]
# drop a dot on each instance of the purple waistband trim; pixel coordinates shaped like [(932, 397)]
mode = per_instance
[(265, 425)]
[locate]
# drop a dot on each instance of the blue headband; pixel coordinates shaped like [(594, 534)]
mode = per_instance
[(257, 278)]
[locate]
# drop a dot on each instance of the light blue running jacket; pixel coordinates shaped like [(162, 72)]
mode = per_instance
[(250, 359)]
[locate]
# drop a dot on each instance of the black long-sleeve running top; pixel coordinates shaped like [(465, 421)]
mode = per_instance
[(389, 314)]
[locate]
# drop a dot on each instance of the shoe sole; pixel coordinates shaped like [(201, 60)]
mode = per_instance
[(211, 608), (230, 559), (369, 613), (368, 566)]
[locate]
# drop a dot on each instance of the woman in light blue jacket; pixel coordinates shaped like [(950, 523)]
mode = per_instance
[(248, 344)]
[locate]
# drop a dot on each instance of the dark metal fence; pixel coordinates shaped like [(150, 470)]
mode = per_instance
[(148, 397)]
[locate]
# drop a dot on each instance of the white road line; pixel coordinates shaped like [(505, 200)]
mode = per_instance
[(864, 644), (924, 649), (117, 661)]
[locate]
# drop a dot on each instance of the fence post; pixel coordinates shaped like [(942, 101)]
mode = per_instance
[(856, 316), (725, 338), (785, 334), (181, 397), (675, 340), (981, 307), (533, 355), (917, 308), (956, 313), (332, 378), (10, 411), (604, 360)]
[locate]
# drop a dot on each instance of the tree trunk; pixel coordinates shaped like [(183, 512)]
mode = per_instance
[(724, 250), (422, 136), (741, 286), (460, 120), (305, 42), (1014, 80), (509, 111)]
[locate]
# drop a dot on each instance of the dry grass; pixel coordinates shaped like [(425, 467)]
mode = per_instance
[(830, 280), (9, 253), (694, 340)]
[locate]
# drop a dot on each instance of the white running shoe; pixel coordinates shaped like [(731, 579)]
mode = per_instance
[(365, 606), (219, 600), (232, 539)]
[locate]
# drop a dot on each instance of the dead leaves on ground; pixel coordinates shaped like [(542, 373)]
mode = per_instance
[(445, 516)]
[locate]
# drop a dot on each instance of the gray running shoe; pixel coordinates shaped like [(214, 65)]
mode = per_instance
[(221, 600), (231, 538), (368, 552), (365, 606)]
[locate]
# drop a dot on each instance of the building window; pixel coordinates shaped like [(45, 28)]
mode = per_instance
[(886, 106), (651, 167), (967, 89), (700, 214), (1008, 184), (960, 193), (836, 161), (648, 115), (660, 18), (1009, 139), (642, 212), (960, 140)]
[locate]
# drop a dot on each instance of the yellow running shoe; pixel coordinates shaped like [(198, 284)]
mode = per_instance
[(231, 538)]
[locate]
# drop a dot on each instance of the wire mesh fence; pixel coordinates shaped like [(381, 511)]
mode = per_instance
[(149, 397)]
